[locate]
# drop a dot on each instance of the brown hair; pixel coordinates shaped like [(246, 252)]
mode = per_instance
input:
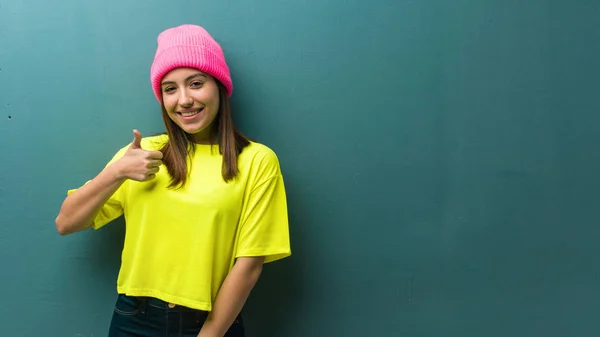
[(224, 133)]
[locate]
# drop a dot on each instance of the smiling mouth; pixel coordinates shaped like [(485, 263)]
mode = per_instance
[(191, 113)]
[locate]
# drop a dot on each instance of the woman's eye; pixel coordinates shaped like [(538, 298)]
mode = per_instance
[(196, 84), (169, 89)]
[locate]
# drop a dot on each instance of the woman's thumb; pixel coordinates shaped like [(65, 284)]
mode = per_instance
[(137, 140)]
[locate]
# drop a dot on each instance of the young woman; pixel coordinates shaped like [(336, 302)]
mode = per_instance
[(204, 206)]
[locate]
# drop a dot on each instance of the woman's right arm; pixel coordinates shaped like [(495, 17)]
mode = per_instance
[(80, 207)]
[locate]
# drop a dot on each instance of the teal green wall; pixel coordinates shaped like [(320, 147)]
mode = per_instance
[(441, 159)]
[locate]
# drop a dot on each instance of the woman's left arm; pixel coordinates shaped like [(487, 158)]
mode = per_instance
[(232, 296)]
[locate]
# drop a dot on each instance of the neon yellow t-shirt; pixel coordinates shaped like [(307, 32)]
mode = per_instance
[(180, 244)]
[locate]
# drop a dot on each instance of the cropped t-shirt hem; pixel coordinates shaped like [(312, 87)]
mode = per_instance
[(165, 297)]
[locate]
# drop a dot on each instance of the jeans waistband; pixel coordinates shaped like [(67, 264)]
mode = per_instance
[(160, 304)]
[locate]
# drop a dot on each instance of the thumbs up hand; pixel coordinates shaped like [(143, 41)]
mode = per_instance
[(139, 164)]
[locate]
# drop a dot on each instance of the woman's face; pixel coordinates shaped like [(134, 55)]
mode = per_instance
[(191, 99)]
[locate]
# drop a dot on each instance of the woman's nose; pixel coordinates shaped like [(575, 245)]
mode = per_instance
[(185, 99)]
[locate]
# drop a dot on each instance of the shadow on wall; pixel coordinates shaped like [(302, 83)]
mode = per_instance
[(279, 291), (87, 273), (99, 252), (107, 245), (108, 242)]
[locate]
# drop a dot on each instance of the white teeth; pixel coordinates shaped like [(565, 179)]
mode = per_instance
[(190, 114)]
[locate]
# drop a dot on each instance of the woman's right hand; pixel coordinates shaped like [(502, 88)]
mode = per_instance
[(79, 208), (137, 163)]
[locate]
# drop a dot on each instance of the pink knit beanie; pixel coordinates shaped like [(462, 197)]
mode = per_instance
[(188, 46)]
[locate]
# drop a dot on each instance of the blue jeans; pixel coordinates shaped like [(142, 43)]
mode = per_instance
[(151, 317)]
